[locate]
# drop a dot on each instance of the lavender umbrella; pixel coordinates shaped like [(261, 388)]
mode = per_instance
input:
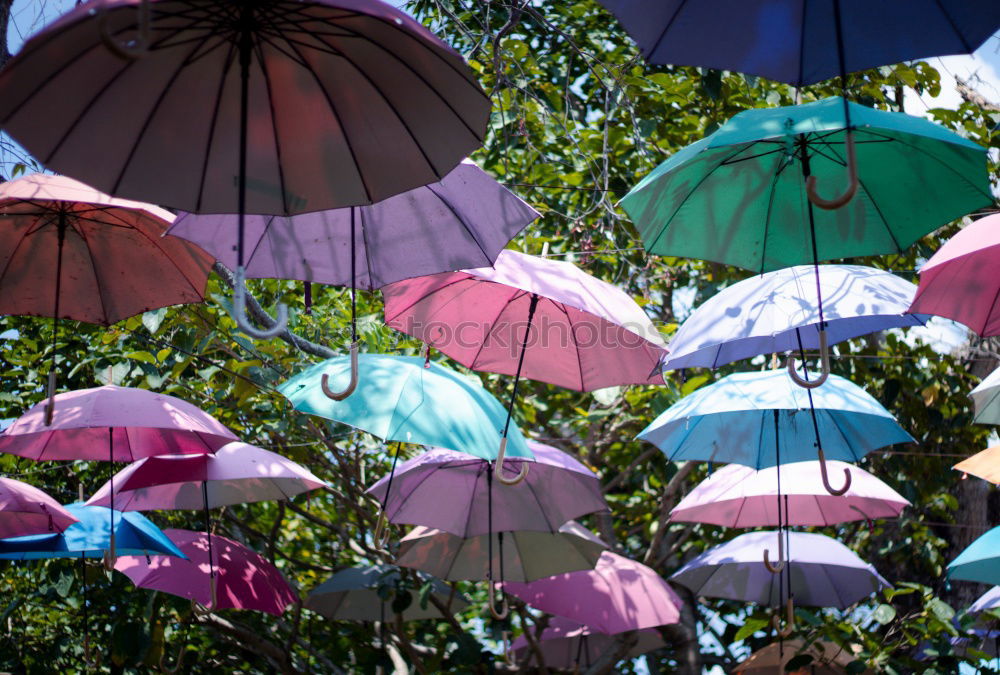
[(567, 645), (988, 600), (24, 509)]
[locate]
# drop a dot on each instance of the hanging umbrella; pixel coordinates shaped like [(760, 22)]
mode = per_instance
[(980, 561), (407, 400), (986, 397), (91, 537), (24, 509), (590, 334), (803, 43), (961, 281), (234, 107), (528, 555), (828, 659), (450, 491), (824, 572), (769, 313), (984, 464), (71, 252), (988, 600), (245, 579), (617, 595), (740, 496), (352, 595), (568, 645)]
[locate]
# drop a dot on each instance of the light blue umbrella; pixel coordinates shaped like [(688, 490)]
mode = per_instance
[(777, 312), (741, 418), (91, 537), (980, 561), (409, 400)]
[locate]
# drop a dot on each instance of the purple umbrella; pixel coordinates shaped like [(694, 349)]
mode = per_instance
[(567, 645), (988, 600), (617, 595), (24, 510), (740, 496), (588, 334)]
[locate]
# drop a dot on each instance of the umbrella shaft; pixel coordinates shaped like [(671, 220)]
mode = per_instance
[(246, 49), (520, 362)]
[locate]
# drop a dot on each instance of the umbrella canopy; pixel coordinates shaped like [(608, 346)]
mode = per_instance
[(464, 220), (236, 473), (352, 595), (986, 397), (740, 496), (118, 424), (988, 600), (828, 659), (980, 561), (617, 595), (567, 644), (984, 464), (244, 579), (24, 509), (962, 282), (771, 313), (737, 197), (588, 333), (450, 491), (90, 537), (527, 555), (348, 102), (824, 572), (405, 399), (797, 42), (69, 251), (733, 421)]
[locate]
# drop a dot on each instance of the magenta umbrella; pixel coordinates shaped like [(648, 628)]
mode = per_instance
[(617, 595), (740, 496), (245, 579), (962, 280), (24, 510), (547, 320), (568, 645)]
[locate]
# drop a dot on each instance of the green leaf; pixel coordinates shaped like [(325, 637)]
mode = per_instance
[(884, 614), (425, 594), (799, 661), (941, 609), (154, 319), (749, 627), (855, 667)]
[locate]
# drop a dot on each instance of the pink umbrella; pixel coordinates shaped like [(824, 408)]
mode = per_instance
[(567, 645), (245, 579), (24, 510), (617, 595), (962, 280), (588, 334), (740, 496)]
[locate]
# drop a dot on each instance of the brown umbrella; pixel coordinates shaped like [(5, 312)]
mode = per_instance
[(244, 106), (828, 659), (984, 464), (70, 252)]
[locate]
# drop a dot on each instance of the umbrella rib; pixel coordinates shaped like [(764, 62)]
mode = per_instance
[(770, 205), (422, 298), (27, 232), (364, 240), (541, 508), (572, 335), (461, 220), (97, 277), (274, 126), (228, 61), (154, 241), (518, 293), (966, 47), (667, 27)]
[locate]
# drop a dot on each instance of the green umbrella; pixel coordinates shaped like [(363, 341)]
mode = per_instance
[(738, 196), (409, 400)]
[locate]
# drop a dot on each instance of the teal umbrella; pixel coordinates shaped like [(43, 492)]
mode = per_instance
[(738, 196), (980, 561)]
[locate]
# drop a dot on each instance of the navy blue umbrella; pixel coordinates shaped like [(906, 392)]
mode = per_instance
[(802, 42)]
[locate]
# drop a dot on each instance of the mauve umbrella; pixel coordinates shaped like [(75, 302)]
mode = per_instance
[(617, 595), (769, 313), (227, 106), (589, 334), (24, 509), (962, 280), (824, 572), (68, 251), (740, 496), (568, 645), (527, 556), (246, 580)]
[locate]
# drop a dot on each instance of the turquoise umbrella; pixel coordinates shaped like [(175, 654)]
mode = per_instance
[(980, 561)]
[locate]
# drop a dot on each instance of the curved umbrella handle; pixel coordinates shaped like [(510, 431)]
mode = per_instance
[(499, 615), (776, 569), (508, 653), (826, 477), (789, 621), (50, 404), (381, 536), (852, 177), (498, 467), (240, 312), (824, 358), (140, 44), (351, 386)]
